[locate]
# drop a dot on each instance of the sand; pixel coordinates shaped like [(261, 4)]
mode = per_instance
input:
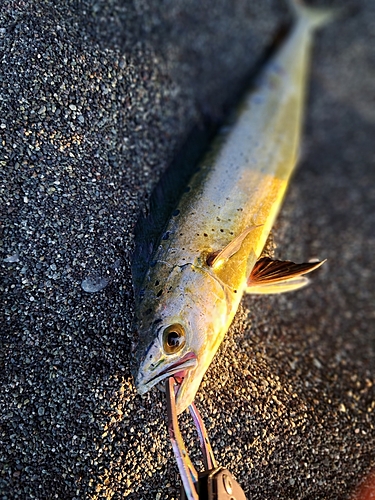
[(95, 101)]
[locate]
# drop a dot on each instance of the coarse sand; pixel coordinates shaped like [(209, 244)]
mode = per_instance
[(96, 97)]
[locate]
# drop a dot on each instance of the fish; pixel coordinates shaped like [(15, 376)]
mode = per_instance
[(210, 252)]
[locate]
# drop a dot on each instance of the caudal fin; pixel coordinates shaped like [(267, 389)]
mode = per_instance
[(314, 17)]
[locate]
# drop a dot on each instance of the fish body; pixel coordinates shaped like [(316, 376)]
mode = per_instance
[(214, 239)]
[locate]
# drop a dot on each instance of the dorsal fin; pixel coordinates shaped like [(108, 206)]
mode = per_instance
[(216, 259), (277, 276)]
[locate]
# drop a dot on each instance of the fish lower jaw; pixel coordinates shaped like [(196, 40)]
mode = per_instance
[(184, 397), (179, 370)]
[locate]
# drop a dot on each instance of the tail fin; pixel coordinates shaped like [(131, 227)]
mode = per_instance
[(312, 16)]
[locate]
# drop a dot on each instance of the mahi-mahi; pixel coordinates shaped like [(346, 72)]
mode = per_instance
[(210, 252)]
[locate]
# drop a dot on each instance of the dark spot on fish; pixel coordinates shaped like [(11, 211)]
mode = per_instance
[(175, 213), (181, 234), (235, 291), (231, 233), (218, 219), (205, 234), (239, 209), (156, 282), (182, 248), (197, 234), (166, 236), (212, 229), (159, 293), (221, 230), (159, 320)]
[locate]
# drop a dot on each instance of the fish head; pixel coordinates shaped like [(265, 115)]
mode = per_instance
[(179, 329)]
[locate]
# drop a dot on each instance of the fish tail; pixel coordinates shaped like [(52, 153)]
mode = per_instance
[(312, 16)]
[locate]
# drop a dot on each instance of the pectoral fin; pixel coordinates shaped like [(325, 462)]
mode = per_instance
[(277, 276), (217, 258)]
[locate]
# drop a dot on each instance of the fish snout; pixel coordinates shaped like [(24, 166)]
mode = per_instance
[(150, 361)]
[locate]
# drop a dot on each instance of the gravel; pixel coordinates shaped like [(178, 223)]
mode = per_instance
[(96, 98)]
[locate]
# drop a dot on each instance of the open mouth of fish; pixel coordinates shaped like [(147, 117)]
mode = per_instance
[(179, 370)]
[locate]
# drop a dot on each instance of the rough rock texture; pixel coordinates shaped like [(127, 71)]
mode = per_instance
[(95, 100)]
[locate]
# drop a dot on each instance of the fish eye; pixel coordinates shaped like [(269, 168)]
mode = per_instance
[(173, 339)]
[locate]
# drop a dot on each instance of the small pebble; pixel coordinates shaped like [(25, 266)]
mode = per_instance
[(93, 285)]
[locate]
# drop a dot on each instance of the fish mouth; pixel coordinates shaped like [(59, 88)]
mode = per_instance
[(179, 370)]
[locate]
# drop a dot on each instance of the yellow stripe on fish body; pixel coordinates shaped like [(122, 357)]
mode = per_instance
[(231, 203)]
